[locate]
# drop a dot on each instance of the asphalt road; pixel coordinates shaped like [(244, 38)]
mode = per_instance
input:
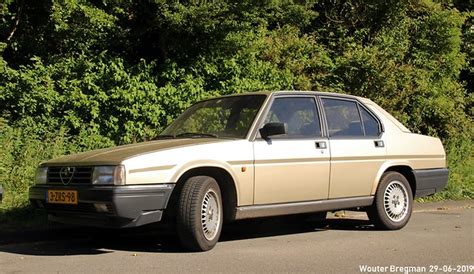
[(438, 235)]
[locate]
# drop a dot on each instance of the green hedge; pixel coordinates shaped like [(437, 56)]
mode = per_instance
[(77, 75)]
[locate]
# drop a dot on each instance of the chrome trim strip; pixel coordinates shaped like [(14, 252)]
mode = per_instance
[(148, 186), (243, 162), (408, 157), (153, 168), (287, 161), (382, 158), (247, 212)]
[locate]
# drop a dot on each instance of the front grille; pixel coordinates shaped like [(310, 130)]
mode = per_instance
[(81, 175)]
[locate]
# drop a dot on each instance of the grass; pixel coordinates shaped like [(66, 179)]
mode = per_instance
[(21, 152), (460, 185)]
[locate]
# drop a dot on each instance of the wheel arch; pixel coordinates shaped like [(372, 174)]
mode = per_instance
[(224, 179), (403, 168)]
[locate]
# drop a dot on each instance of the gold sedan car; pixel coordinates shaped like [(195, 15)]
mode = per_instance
[(247, 156)]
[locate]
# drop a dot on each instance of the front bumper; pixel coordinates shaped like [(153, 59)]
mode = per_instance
[(127, 206)]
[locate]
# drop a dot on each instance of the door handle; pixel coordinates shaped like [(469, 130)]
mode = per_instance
[(379, 143), (321, 145)]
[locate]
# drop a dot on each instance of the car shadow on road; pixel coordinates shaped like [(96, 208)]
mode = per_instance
[(156, 239)]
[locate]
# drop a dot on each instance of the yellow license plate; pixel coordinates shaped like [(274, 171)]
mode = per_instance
[(68, 197)]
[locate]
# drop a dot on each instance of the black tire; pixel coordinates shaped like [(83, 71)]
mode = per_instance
[(393, 202), (192, 233)]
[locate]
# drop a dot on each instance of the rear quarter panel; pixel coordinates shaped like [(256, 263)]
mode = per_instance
[(405, 148)]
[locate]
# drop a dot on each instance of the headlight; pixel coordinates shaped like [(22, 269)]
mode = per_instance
[(108, 175), (41, 175)]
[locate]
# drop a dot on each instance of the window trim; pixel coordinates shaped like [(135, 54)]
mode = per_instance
[(268, 106), (359, 104), (260, 115), (379, 123), (362, 125)]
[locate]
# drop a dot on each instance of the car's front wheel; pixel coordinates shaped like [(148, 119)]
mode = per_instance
[(393, 203), (200, 213)]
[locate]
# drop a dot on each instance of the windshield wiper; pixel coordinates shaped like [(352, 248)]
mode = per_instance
[(196, 134)]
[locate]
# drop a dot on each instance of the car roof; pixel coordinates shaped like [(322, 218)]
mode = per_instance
[(302, 92)]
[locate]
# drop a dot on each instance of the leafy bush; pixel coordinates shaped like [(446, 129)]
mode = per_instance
[(121, 104), (77, 75), (23, 150)]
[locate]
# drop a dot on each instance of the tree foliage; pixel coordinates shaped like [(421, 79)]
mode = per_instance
[(119, 71)]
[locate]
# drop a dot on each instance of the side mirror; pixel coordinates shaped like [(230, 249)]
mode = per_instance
[(271, 129)]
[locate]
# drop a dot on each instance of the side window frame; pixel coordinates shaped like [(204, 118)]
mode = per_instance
[(359, 106), (319, 111)]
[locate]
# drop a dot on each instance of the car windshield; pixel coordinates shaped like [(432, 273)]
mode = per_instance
[(226, 117)]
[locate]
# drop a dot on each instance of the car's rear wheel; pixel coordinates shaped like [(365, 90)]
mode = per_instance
[(200, 213), (393, 203)]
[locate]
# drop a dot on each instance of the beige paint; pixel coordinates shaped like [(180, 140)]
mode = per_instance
[(284, 171), (405, 148), (290, 171), (115, 155), (230, 155), (354, 166)]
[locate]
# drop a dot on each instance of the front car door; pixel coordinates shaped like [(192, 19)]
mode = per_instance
[(295, 166), (356, 144)]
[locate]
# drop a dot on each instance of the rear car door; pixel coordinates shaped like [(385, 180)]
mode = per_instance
[(357, 146), (295, 166)]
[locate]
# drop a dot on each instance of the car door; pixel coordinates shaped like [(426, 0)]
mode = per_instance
[(357, 147), (295, 166)]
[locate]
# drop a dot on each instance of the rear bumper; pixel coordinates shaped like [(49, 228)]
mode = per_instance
[(126, 206), (430, 181)]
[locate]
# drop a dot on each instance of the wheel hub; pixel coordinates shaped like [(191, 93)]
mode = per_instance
[(396, 201), (210, 215)]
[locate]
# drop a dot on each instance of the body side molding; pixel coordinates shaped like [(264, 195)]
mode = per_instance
[(246, 212)]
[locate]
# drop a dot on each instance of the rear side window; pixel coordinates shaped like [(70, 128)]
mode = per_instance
[(343, 118), (371, 125), (348, 118)]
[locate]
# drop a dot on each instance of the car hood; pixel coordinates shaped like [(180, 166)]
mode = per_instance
[(115, 155)]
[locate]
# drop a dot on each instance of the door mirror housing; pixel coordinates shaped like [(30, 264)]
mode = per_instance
[(271, 129)]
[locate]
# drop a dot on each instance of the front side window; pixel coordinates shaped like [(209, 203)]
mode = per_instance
[(349, 119), (221, 117), (298, 113)]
